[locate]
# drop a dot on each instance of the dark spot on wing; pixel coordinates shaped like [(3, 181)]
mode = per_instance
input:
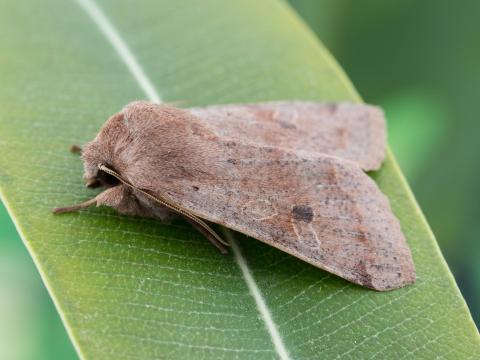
[(302, 213)]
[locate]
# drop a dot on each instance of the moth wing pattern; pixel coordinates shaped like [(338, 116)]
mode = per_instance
[(323, 210), (351, 131)]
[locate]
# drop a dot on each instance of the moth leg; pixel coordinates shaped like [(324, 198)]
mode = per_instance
[(76, 149), (223, 250), (83, 205)]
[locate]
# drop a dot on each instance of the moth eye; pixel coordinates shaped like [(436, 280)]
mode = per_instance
[(106, 179), (93, 183)]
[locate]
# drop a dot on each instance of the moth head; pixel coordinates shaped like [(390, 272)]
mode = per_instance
[(101, 179), (112, 161), (103, 150), (117, 141)]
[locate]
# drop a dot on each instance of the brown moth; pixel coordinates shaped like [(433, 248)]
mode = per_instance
[(286, 173)]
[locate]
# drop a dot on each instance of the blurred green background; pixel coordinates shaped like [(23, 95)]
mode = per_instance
[(419, 60)]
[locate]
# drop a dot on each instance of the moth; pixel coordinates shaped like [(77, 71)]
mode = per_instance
[(289, 173)]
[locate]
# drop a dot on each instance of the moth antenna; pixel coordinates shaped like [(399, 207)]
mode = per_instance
[(212, 236), (83, 205), (219, 245)]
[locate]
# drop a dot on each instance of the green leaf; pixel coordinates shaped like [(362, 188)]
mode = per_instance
[(134, 288)]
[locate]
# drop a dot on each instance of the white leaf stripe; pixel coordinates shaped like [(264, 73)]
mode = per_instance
[(120, 47), (113, 36), (257, 295)]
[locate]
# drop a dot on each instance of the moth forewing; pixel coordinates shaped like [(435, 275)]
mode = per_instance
[(351, 131), (321, 209)]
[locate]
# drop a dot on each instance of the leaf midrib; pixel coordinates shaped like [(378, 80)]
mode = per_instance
[(123, 51)]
